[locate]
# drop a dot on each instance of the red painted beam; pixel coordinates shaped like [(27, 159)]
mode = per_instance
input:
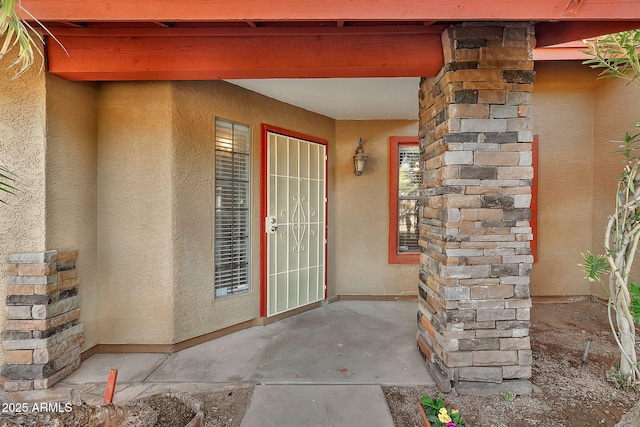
[(144, 30), (148, 55), (256, 10), (573, 51), (552, 33)]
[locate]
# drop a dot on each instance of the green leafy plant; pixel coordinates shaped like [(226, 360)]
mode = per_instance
[(617, 55), (509, 396), (620, 380), (594, 266), (634, 291), (441, 414)]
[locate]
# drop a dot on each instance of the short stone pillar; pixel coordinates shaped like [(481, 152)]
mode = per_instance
[(42, 334), (475, 140)]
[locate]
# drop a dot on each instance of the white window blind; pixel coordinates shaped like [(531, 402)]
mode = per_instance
[(232, 215)]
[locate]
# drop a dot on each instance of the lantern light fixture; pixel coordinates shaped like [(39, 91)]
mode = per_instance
[(359, 159)]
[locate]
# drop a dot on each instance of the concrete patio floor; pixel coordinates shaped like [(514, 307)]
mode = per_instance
[(359, 345)]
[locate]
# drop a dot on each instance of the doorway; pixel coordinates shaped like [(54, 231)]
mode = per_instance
[(295, 220)]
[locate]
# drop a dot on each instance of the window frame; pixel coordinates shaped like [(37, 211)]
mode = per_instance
[(394, 256), (249, 155), (533, 244)]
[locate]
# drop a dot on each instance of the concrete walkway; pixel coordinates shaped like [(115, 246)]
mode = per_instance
[(322, 367)]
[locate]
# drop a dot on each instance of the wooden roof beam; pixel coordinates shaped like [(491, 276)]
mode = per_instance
[(246, 31), (553, 33), (204, 56), (69, 24), (573, 51), (331, 10), (574, 7)]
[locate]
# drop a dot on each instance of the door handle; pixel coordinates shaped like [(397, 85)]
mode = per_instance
[(271, 224)]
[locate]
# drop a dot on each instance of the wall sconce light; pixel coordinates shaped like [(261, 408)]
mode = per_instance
[(359, 159)]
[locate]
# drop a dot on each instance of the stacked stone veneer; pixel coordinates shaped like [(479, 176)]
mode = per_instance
[(475, 140), (42, 334)]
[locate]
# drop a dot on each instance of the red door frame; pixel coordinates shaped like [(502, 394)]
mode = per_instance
[(264, 129)]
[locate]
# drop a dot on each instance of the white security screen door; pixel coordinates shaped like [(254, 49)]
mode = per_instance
[(295, 222)]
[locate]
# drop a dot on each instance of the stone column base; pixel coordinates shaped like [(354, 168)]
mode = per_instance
[(42, 334)]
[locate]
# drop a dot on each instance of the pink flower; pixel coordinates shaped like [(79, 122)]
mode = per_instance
[(451, 424)]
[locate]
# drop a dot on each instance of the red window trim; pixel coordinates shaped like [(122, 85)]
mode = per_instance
[(534, 199), (393, 256)]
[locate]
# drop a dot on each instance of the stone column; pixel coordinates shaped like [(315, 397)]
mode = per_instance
[(475, 140), (42, 334)]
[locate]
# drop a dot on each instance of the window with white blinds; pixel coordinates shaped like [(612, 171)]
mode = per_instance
[(232, 216), (409, 179)]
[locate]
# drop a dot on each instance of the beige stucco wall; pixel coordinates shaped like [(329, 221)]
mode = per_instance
[(196, 104), (22, 150), (155, 203), (71, 174), (576, 116), (135, 199), (617, 108), (359, 231), (563, 108)]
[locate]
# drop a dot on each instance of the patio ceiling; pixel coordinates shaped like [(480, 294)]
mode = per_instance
[(345, 99), (255, 39)]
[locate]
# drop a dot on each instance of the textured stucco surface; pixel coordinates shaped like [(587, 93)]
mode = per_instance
[(23, 151), (576, 116), (155, 204), (361, 227), (71, 174), (196, 104), (563, 118), (135, 258), (617, 108)]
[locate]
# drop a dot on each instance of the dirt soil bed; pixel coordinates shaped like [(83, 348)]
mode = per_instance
[(221, 409), (225, 409), (565, 393)]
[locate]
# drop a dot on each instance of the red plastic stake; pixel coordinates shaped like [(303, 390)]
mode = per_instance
[(111, 386)]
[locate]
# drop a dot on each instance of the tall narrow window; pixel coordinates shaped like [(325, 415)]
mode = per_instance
[(232, 218), (404, 193)]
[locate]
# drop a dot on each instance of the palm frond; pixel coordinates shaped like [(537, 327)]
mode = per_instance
[(19, 35), (7, 179), (594, 266)]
